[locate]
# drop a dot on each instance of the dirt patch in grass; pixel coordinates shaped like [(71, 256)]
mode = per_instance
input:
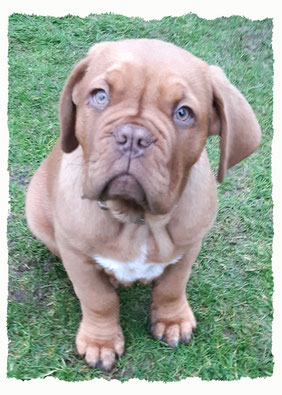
[(254, 41), (21, 175), (16, 295)]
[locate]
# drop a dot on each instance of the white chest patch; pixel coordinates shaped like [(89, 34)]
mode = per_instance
[(138, 269)]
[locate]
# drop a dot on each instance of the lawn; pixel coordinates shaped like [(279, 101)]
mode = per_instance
[(231, 285)]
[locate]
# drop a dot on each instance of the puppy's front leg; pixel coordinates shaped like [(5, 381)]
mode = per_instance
[(172, 319), (99, 338)]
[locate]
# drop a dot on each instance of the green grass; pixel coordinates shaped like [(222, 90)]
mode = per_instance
[(231, 286)]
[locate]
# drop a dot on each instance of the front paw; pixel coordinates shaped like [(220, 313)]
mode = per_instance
[(100, 351), (173, 330)]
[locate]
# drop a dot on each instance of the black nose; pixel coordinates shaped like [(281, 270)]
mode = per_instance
[(132, 140)]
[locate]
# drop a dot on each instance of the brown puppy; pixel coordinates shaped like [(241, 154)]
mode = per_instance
[(127, 192)]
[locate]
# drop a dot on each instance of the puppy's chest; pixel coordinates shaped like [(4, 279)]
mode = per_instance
[(141, 268), (136, 254), (128, 257)]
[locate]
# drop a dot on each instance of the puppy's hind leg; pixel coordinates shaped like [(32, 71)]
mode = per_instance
[(38, 211)]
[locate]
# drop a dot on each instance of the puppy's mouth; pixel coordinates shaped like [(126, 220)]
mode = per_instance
[(125, 198), (124, 187)]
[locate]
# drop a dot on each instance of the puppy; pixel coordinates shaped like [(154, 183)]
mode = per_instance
[(127, 193)]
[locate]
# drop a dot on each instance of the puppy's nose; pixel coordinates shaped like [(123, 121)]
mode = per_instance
[(132, 140)]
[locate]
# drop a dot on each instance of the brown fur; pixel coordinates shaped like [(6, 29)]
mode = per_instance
[(146, 80)]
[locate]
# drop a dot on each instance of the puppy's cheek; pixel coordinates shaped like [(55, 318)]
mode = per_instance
[(163, 195), (92, 187), (160, 205), (94, 177)]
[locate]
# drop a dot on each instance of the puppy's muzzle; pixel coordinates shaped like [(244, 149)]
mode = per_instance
[(132, 140)]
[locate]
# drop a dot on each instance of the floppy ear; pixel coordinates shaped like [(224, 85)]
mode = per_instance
[(67, 109), (234, 120)]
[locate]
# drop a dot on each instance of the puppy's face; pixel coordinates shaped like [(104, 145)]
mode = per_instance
[(142, 110)]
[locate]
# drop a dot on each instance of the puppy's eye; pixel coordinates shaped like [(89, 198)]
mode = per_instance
[(99, 98), (184, 115)]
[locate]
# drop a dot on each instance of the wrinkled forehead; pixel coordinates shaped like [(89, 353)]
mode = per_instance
[(151, 54), (162, 68)]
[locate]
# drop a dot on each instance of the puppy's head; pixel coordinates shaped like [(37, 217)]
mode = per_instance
[(141, 110)]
